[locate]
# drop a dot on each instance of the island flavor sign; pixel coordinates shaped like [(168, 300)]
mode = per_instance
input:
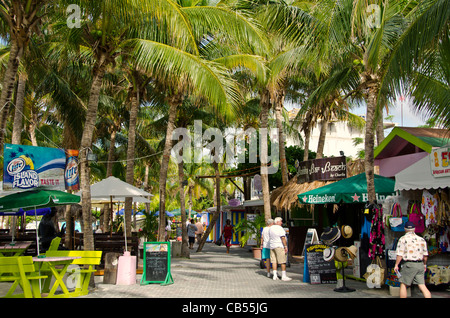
[(334, 168), (28, 167)]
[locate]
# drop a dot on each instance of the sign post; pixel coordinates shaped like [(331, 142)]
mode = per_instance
[(156, 264)]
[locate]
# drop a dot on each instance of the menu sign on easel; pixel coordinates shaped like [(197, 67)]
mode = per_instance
[(156, 263), (320, 271)]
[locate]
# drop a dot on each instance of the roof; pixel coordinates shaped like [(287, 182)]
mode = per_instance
[(418, 176), (407, 140)]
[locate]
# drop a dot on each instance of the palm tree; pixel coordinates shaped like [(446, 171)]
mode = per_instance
[(22, 19), (193, 74), (347, 33), (106, 29)]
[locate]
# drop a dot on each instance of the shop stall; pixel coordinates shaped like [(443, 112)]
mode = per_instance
[(424, 197), (348, 197)]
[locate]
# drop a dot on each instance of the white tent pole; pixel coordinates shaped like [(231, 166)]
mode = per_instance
[(125, 229)]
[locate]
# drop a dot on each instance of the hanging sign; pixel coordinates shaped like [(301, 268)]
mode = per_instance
[(156, 263), (440, 162), (323, 169), (28, 167)]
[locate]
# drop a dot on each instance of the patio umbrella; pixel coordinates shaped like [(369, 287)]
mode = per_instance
[(113, 187), (37, 198), (21, 212), (349, 190)]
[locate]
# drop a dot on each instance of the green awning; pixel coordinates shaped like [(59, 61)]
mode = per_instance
[(349, 190)]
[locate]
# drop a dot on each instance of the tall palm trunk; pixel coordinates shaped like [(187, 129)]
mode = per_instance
[(174, 101), (21, 18), (15, 54), (70, 142), (216, 213), (370, 95), (306, 143), (279, 101), (131, 154), (323, 134), (86, 142), (109, 165), (184, 236), (380, 128), (265, 105), (18, 114)]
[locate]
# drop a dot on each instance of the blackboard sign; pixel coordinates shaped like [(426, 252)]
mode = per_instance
[(156, 263), (320, 271)]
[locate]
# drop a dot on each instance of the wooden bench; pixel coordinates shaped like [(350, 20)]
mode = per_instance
[(87, 262), (20, 270)]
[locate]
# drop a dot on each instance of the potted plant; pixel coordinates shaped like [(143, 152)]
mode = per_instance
[(251, 229), (149, 228)]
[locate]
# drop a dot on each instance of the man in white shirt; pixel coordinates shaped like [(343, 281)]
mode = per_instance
[(278, 249), (412, 250), (265, 241)]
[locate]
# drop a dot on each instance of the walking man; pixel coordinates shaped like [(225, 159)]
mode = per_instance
[(199, 231), (265, 241), (278, 249), (412, 249)]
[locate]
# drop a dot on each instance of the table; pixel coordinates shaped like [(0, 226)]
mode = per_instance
[(14, 250), (59, 273)]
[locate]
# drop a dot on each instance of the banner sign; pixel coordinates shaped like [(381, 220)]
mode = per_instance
[(323, 169), (28, 167), (439, 161)]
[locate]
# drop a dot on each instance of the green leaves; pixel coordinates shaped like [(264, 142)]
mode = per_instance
[(205, 78)]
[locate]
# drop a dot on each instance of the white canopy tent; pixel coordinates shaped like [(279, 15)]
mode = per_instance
[(112, 188), (418, 176)]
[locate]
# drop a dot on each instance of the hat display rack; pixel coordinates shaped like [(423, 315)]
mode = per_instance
[(337, 253)]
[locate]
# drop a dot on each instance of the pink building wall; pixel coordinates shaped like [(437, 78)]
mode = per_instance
[(389, 167)]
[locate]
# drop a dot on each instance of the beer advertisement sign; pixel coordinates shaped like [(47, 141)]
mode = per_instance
[(29, 167)]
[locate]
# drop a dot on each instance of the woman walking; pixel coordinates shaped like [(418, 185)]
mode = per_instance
[(228, 231)]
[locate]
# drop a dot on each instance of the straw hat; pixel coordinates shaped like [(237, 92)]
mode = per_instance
[(352, 251), (341, 255), (328, 254), (346, 231), (330, 235)]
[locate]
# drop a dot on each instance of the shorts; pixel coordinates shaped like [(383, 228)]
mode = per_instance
[(265, 254), (278, 256), (191, 239), (412, 273)]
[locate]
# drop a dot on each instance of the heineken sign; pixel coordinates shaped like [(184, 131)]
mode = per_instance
[(324, 169)]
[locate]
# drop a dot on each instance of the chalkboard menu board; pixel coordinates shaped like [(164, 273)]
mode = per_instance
[(320, 271), (156, 263)]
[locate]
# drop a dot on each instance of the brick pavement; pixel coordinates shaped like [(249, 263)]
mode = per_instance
[(213, 273)]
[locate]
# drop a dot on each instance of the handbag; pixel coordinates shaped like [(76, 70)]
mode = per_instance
[(219, 241), (417, 218), (397, 220)]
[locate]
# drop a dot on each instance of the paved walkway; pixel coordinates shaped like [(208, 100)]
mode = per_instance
[(213, 273)]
